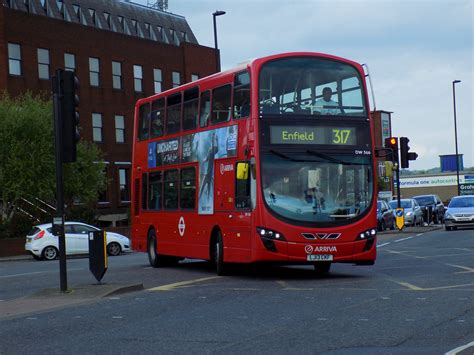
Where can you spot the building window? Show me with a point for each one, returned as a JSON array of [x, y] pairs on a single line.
[[148, 30], [119, 129], [157, 80], [14, 59], [138, 76], [174, 37], [122, 23], [103, 194], [43, 63], [94, 18], [117, 75], [124, 188], [176, 79], [97, 127], [69, 61], [94, 71], [194, 77], [60, 5], [107, 19], [185, 36]]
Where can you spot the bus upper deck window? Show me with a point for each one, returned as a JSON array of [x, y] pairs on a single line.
[[157, 116], [144, 121], [205, 109], [173, 117], [190, 108], [221, 104], [241, 107]]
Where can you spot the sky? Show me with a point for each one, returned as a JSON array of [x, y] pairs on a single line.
[[414, 50]]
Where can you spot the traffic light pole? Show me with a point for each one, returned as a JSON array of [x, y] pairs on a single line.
[[397, 176], [58, 221]]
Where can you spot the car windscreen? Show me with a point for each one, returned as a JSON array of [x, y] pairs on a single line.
[[464, 202], [425, 200], [403, 204]]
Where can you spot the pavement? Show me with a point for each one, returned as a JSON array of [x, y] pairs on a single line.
[[52, 298]]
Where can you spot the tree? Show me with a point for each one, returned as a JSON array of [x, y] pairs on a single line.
[[27, 165]]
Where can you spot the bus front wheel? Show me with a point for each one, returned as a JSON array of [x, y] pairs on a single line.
[[218, 255]]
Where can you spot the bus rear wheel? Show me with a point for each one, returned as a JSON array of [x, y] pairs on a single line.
[[322, 267], [154, 258]]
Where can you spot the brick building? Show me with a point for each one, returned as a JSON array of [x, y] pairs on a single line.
[[120, 51]]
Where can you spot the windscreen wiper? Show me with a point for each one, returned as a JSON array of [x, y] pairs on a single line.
[[284, 156], [332, 159]]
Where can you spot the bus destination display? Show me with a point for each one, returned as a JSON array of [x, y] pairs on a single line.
[[313, 135]]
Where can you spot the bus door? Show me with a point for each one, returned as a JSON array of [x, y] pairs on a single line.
[[232, 200]]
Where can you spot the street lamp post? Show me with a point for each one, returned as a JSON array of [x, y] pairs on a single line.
[[218, 62], [456, 134]]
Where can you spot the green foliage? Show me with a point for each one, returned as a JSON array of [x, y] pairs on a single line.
[[27, 162], [17, 227]]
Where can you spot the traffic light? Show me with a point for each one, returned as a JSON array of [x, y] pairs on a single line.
[[69, 116], [405, 154], [392, 143]]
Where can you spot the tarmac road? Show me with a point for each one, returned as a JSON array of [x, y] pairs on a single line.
[[417, 299]]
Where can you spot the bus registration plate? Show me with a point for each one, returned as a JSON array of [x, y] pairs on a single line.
[[319, 257]]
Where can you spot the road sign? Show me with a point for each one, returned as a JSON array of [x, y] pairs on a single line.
[[98, 254], [399, 218]]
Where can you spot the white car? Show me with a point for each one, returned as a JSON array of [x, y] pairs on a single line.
[[42, 244]]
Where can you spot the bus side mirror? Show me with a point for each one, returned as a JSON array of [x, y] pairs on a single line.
[[242, 171]]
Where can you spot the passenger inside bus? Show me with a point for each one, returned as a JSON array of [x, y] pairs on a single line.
[[326, 105]]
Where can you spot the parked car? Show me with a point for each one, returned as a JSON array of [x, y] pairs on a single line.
[[411, 210], [385, 216], [433, 203], [42, 244], [460, 212]]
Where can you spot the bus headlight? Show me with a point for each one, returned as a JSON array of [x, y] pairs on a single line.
[[370, 233], [269, 237], [269, 234]]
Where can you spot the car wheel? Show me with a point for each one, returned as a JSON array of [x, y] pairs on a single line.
[[114, 249], [447, 228], [383, 226], [392, 227], [322, 267], [436, 219], [218, 254], [49, 253]]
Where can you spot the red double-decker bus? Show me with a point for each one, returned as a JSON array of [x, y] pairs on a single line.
[[272, 161]]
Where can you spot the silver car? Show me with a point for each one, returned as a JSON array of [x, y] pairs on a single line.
[[460, 212], [411, 210]]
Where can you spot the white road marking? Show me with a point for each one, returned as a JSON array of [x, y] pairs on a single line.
[[419, 234], [460, 349], [114, 298], [421, 298], [36, 272], [381, 245], [117, 317], [363, 319], [32, 318], [400, 240], [385, 298]]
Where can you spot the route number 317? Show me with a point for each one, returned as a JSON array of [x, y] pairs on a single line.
[[340, 136]]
